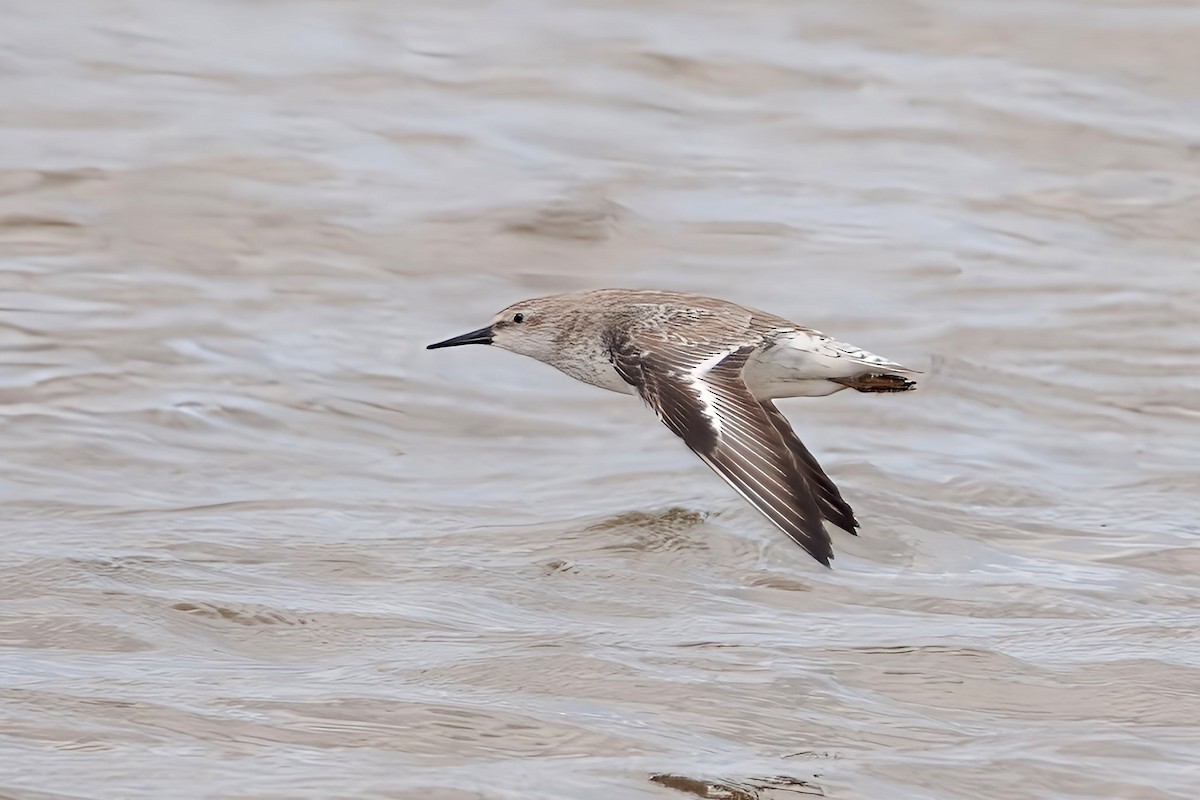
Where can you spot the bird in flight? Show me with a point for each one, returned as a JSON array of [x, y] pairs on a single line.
[[710, 370]]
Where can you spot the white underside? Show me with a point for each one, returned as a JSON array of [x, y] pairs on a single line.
[[766, 385], [800, 364]]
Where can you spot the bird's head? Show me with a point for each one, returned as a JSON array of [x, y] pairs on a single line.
[[530, 328]]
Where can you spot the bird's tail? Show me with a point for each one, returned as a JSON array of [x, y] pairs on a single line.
[[877, 382]]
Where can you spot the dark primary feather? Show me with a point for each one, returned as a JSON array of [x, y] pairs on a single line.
[[833, 507], [749, 451]]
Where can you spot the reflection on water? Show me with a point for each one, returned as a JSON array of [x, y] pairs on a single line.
[[259, 543], [761, 789]]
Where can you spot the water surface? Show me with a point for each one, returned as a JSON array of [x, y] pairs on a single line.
[[258, 543]]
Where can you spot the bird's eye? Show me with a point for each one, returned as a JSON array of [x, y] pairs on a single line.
[[518, 317]]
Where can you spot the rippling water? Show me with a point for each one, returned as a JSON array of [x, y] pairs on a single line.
[[259, 544]]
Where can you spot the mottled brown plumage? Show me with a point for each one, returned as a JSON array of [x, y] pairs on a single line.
[[709, 369]]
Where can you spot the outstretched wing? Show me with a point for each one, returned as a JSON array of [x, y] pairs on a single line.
[[833, 507], [698, 392]]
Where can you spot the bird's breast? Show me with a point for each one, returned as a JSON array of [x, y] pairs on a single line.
[[597, 372]]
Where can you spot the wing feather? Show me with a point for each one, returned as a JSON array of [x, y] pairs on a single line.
[[700, 395], [829, 498]]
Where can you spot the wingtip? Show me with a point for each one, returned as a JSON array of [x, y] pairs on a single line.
[[850, 526], [822, 555]]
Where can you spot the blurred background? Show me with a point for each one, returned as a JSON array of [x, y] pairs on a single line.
[[258, 543]]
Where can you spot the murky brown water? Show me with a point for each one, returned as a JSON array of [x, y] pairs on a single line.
[[257, 543]]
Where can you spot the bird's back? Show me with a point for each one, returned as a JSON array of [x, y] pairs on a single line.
[[682, 317]]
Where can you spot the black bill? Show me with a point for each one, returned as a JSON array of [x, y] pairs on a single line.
[[481, 336]]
